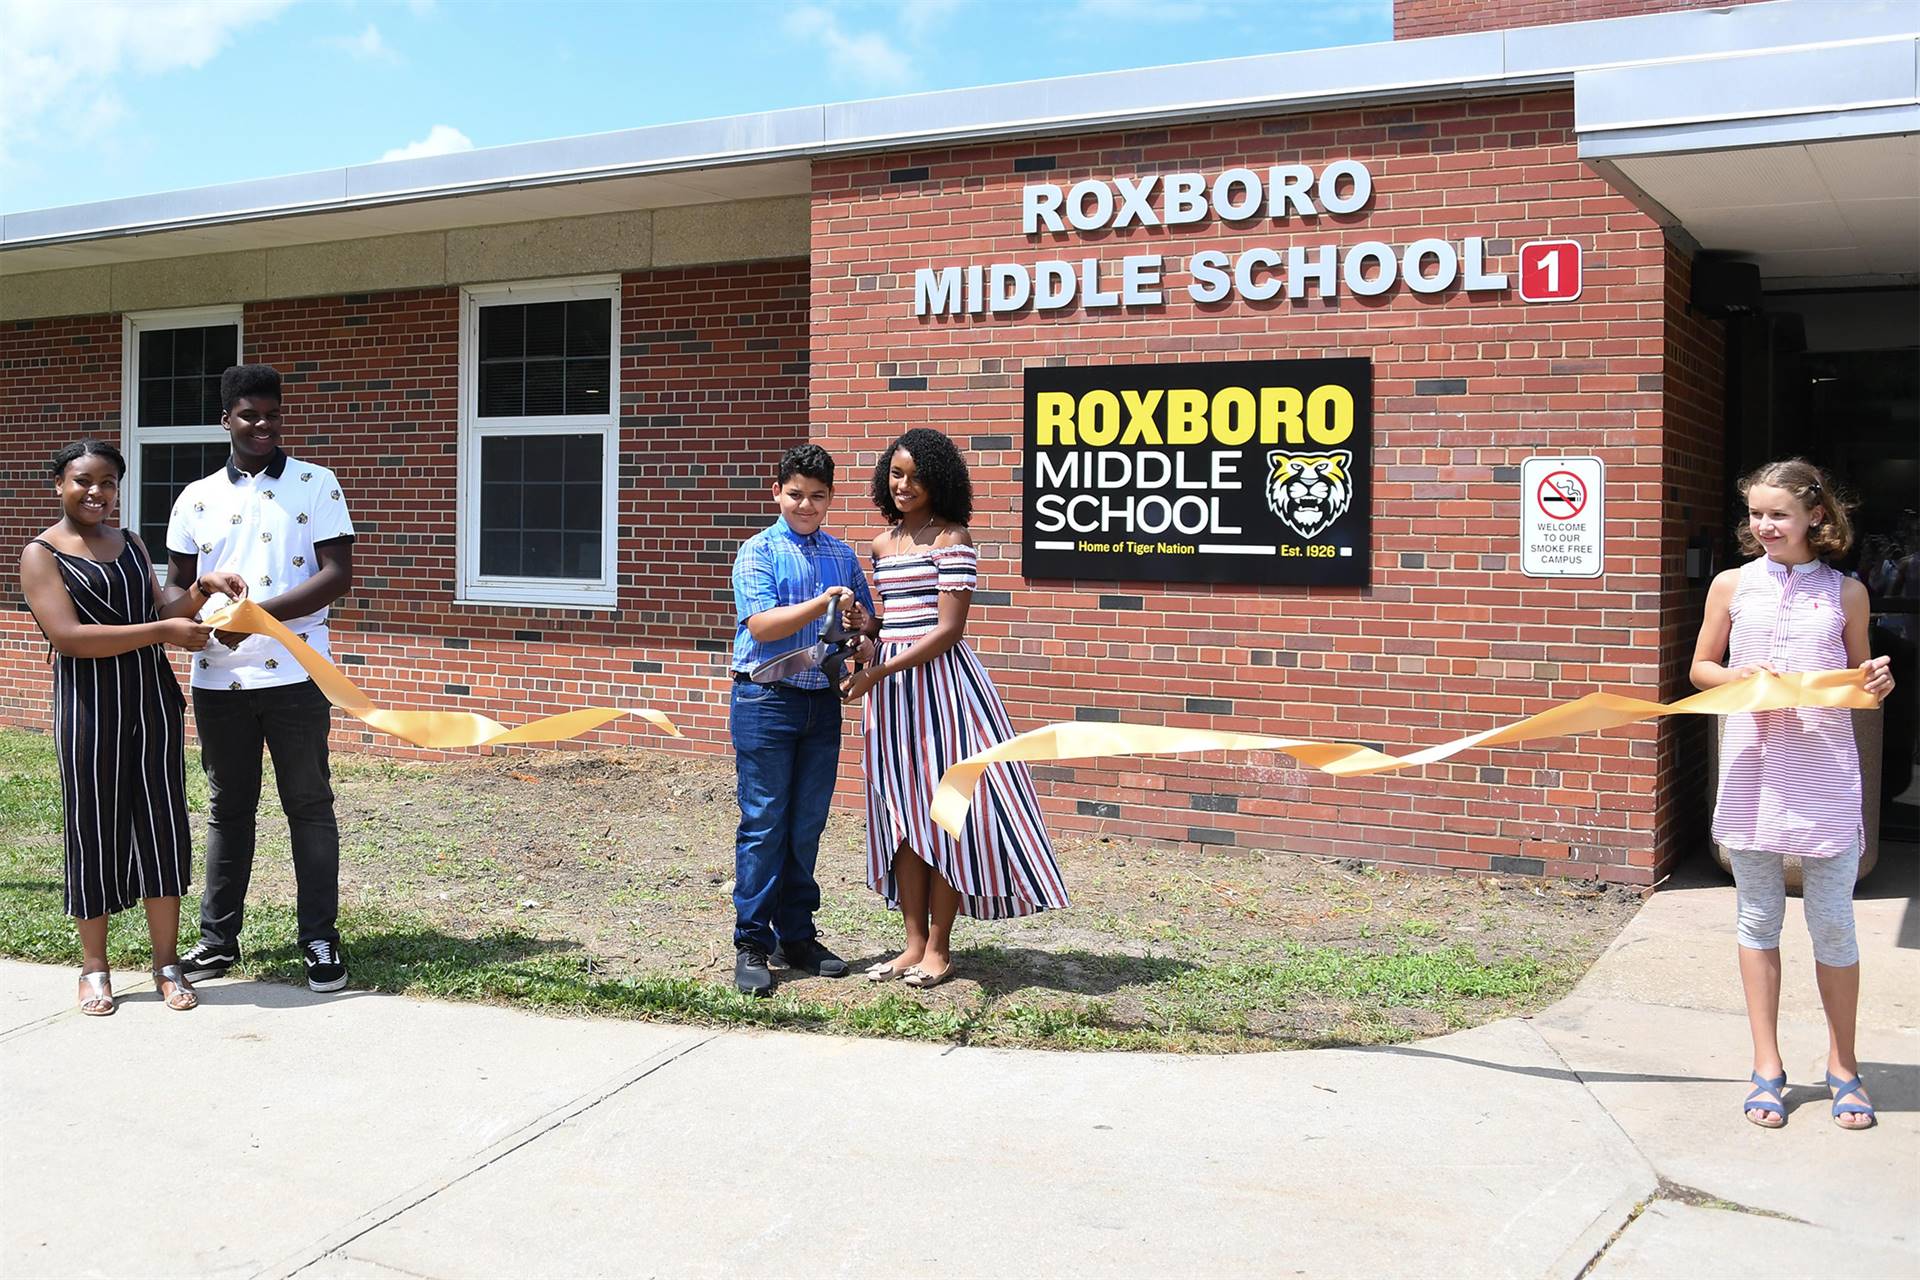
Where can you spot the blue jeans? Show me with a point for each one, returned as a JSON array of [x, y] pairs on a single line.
[[786, 745]]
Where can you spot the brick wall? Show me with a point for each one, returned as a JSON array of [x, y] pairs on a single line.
[[1693, 386], [59, 382], [1413, 19], [1450, 638], [713, 375]]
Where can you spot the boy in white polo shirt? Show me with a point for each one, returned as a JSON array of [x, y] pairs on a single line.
[[281, 524]]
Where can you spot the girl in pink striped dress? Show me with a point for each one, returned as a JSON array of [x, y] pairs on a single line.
[[1790, 779], [932, 704]]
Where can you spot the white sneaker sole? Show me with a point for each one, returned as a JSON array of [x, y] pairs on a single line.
[[324, 987], [208, 973]]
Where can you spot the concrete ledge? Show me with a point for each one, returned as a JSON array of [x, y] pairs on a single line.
[[747, 231], [562, 246], [357, 266], [81, 291], [184, 282]]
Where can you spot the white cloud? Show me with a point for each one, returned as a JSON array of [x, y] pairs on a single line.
[[368, 46], [865, 57], [918, 18], [441, 140], [96, 116], [60, 61]]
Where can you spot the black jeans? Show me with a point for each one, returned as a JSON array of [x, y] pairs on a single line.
[[291, 721]]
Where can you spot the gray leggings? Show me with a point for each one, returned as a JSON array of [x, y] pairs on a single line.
[[1826, 890]]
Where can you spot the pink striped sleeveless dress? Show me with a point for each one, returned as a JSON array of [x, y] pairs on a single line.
[[1789, 779], [928, 717]]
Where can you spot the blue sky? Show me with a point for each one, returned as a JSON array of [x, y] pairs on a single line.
[[113, 98]]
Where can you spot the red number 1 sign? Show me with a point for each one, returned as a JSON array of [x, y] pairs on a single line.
[[1550, 271]]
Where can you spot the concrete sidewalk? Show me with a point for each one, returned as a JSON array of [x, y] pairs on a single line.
[[375, 1136]]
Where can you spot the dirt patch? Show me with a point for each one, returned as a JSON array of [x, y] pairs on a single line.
[[628, 856]]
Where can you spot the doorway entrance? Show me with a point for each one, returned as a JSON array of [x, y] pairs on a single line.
[[1834, 377]]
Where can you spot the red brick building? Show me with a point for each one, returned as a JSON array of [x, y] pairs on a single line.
[[555, 377]]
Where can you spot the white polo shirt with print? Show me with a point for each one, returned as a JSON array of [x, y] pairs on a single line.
[[263, 527]]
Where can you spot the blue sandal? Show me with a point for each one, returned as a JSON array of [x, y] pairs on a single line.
[[1755, 1102], [1841, 1088]]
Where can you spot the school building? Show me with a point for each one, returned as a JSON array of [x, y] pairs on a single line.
[[1378, 393]]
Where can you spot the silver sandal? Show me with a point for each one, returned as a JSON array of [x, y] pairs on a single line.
[[98, 1002], [181, 987]]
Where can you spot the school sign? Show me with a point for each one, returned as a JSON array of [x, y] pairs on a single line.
[[1253, 471]]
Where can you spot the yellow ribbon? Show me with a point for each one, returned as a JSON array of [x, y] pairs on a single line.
[[1596, 711], [421, 728]]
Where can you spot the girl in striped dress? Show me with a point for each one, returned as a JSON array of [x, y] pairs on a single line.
[[117, 717], [1790, 779], [932, 704]]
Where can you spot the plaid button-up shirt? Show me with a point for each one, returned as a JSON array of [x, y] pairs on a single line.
[[778, 567]]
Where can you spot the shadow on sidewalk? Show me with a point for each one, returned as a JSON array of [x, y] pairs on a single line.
[[1893, 1086], [1550, 1073]]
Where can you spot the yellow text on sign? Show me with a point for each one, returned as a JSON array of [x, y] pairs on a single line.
[[1185, 415]]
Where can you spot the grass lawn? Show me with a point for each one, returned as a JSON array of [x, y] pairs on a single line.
[[596, 883]]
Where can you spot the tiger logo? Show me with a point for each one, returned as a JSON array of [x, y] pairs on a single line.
[[1309, 491]]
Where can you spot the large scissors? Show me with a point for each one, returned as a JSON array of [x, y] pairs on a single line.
[[829, 655]]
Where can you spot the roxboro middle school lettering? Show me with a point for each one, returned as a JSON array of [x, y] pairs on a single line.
[[1256, 274]]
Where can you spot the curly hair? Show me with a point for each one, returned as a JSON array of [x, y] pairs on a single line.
[[1811, 487], [940, 469], [245, 381], [86, 449], [808, 460]]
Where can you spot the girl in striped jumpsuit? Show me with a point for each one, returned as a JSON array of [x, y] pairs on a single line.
[[117, 717], [1790, 778]]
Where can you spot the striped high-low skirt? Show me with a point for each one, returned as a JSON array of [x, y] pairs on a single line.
[[916, 724]]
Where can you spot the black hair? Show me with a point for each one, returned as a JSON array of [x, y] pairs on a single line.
[[941, 470], [248, 380], [808, 460], [87, 449]]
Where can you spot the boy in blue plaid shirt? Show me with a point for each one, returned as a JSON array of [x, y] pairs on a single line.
[[786, 736]]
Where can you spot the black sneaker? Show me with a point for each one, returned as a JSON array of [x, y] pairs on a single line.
[[203, 960], [808, 957], [326, 965], [750, 973]]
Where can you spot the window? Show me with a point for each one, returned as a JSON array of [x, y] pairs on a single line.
[[171, 371], [538, 437]]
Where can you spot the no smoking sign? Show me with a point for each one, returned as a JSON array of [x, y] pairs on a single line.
[[1561, 521], [1561, 495]]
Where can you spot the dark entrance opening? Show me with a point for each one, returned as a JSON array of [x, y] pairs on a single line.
[[1834, 376]]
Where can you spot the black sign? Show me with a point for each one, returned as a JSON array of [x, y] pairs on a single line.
[[1257, 471]]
